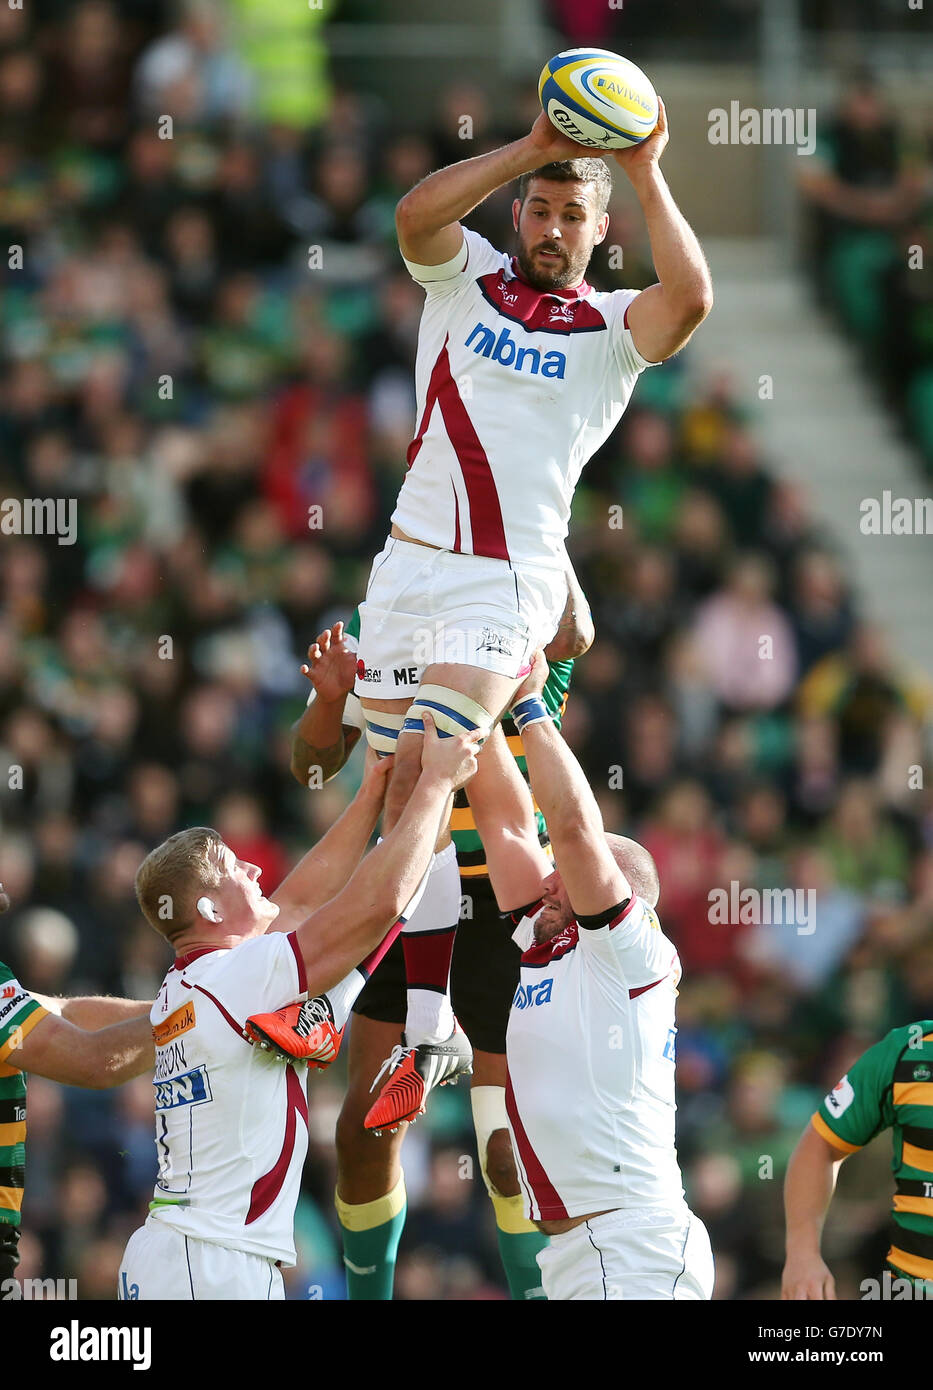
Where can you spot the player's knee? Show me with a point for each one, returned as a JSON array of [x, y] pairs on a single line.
[[500, 1164], [362, 1154]]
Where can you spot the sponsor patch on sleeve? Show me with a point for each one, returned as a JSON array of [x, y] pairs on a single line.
[[840, 1097]]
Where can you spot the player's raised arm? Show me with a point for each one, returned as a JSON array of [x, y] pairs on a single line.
[[339, 935], [320, 738], [321, 873], [593, 880], [664, 317], [808, 1190], [428, 218]]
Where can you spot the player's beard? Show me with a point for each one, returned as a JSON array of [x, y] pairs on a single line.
[[551, 921], [551, 277]]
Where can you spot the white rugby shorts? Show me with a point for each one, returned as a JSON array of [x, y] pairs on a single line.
[[426, 606], [162, 1262], [630, 1254]]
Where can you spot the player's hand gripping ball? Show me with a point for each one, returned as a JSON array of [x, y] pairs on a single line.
[[598, 99]]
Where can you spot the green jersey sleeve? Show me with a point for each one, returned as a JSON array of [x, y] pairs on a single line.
[[859, 1106], [19, 1012]]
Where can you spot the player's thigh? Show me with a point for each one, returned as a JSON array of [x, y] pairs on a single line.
[[162, 1263]]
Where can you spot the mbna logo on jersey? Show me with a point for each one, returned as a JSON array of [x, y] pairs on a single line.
[[922, 1072]]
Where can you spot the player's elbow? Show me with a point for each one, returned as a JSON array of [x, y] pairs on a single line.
[[406, 216], [695, 306], [571, 830], [573, 641]]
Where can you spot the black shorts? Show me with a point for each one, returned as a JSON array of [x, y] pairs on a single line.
[[483, 978]]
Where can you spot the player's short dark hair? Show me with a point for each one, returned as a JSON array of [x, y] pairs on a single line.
[[593, 171]]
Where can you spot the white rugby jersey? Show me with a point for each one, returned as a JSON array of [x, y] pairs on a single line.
[[516, 389], [231, 1122], [590, 1044]]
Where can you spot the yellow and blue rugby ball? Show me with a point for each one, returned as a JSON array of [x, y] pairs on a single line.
[[598, 98]]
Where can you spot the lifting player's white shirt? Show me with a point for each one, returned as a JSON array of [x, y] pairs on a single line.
[[231, 1130], [516, 389], [591, 1110]]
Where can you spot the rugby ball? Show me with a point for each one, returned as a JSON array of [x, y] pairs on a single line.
[[598, 98]]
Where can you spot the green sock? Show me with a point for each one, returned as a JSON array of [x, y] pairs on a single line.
[[519, 1243], [371, 1233], [521, 1267]]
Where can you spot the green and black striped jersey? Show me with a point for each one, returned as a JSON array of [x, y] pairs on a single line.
[[19, 1014], [891, 1087]]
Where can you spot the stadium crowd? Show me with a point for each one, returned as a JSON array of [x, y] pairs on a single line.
[[209, 345]]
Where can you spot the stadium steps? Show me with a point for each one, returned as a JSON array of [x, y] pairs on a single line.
[[826, 428]]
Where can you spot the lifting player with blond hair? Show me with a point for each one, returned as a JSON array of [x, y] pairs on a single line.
[[231, 1123]]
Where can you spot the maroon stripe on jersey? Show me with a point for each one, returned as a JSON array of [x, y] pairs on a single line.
[[622, 915], [456, 519], [430, 400], [485, 512], [625, 322], [267, 1188], [228, 1018], [538, 311], [292, 940], [550, 1205], [180, 962], [643, 989]]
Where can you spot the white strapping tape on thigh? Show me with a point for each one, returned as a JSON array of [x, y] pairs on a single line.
[[454, 712], [382, 730], [489, 1114]]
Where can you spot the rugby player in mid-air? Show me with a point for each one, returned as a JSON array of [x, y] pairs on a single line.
[[371, 1199], [590, 1050], [231, 1123], [523, 370], [94, 1042]]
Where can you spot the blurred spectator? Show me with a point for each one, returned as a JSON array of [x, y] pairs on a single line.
[[746, 642]]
